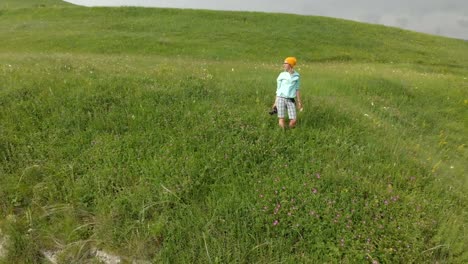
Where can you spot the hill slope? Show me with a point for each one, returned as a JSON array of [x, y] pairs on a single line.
[[219, 35], [144, 132]]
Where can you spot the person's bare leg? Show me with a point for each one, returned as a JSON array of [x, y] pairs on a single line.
[[281, 122], [292, 123]]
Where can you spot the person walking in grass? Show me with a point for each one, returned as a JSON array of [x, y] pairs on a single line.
[[287, 93]]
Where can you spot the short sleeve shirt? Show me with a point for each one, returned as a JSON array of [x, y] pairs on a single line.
[[287, 84]]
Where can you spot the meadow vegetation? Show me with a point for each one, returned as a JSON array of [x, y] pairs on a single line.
[[145, 132]]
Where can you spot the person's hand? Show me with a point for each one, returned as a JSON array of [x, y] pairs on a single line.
[[299, 105]]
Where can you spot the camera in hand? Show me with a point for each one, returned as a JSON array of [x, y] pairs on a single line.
[[273, 111]]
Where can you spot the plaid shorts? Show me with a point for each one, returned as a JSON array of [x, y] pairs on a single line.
[[286, 103]]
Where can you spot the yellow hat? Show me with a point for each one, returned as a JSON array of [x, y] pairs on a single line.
[[291, 61]]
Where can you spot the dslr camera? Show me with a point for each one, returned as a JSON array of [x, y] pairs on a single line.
[[273, 111]]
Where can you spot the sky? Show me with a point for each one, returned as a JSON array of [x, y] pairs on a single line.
[[438, 17]]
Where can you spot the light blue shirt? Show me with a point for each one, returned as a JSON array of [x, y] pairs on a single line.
[[288, 84]]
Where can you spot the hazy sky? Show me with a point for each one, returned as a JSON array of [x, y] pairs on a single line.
[[441, 17]]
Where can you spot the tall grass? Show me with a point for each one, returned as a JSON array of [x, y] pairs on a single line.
[[153, 156]]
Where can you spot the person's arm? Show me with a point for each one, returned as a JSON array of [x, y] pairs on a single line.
[[298, 94], [278, 84], [299, 101]]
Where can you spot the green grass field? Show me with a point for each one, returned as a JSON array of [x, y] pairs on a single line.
[[145, 133]]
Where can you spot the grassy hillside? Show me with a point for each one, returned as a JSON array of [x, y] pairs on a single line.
[[19, 4], [218, 35], [145, 133]]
